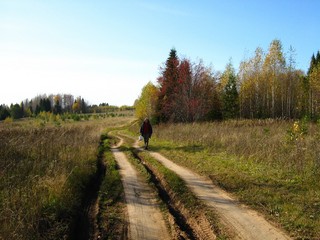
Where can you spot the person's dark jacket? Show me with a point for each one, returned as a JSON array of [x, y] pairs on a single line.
[[146, 129]]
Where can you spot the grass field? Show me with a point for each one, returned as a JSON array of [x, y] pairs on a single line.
[[44, 169], [45, 165], [274, 166]]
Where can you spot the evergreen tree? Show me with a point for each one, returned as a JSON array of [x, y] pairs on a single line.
[[83, 106], [38, 110], [168, 81], [30, 107], [312, 64], [4, 112], [57, 107], [22, 109], [318, 58], [47, 105], [314, 83], [230, 94], [16, 111]]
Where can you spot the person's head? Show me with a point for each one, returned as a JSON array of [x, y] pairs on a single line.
[[146, 120]]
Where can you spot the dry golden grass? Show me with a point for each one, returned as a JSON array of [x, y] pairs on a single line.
[[272, 165], [267, 141], [43, 171]]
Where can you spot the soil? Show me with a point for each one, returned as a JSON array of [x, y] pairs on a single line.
[[188, 223], [144, 215], [242, 222]]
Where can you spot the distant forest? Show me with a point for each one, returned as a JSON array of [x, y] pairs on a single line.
[[267, 85], [56, 104]]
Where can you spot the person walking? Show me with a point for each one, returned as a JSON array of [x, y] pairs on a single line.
[[146, 132]]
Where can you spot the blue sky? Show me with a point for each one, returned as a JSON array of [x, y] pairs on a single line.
[[106, 51]]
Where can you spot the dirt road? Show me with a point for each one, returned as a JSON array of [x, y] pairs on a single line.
[[243, 222], [144, 216]]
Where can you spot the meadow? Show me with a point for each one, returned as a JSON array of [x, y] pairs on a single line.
[[47, 163], [45, 166], [271, 165]]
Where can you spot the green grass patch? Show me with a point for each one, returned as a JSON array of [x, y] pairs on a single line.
[[183, 194], [177, 185], [281, 193]]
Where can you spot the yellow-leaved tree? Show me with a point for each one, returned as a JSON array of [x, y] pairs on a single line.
[[146, 104]]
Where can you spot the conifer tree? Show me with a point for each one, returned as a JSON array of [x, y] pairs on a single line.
[[314, 83], [318, 58], [168, 81], [4, 112], [230, 94], [312, 64], [16, 111]]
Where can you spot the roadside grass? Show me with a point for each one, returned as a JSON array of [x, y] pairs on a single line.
[[268, 165], [44, 171]]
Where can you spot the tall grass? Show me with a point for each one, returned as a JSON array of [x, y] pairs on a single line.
[[266, 141], [272, 165], [43, 172]]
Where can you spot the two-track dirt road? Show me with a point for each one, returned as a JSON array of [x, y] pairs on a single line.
[[146, 221], [144, 216], [243, 222]]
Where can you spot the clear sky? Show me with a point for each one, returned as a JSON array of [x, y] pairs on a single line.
[[106, 51]]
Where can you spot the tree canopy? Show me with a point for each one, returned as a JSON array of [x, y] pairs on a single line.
[[267, 85]]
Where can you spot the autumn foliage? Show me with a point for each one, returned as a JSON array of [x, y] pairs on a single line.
[[267, 85], [187, 92]]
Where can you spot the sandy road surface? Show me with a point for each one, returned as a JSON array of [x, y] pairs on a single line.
[[243, 222], [145, 219]]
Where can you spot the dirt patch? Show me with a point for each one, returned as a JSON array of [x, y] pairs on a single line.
[[191, 224], [144, 216]]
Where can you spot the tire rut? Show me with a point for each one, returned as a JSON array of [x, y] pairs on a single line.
[[185, 230], [191, 226], [86, 226], [144, 216], [243, 222]]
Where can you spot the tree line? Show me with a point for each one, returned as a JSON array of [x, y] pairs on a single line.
[[267, 85], [56, 104]]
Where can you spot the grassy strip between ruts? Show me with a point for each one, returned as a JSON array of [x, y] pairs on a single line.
[[190, 204], [127, 149], [112, 209], [185, 200], [284, 198]]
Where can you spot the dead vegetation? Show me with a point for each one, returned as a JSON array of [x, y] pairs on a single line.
[[44, 171]]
